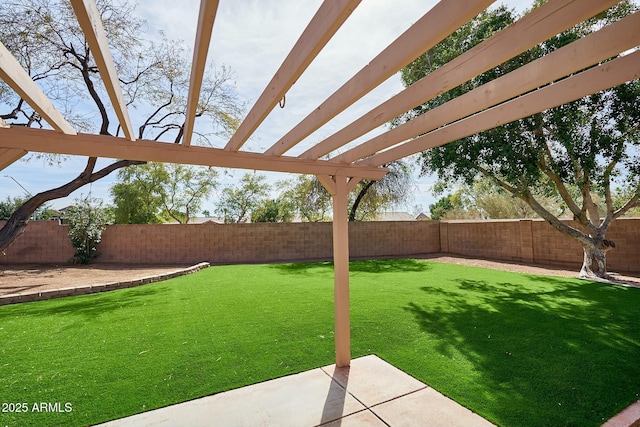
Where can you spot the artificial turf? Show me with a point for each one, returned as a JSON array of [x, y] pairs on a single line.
[[520, 350]]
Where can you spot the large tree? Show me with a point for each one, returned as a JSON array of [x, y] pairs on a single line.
[[313, 202], [372, 197], [46, 39], [309, 198], [155, 192], [238, 202], [573, 151]]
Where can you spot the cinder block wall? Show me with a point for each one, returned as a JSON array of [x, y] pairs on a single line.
[[513, 240], [41, 242], [537, 241], [47, 242]]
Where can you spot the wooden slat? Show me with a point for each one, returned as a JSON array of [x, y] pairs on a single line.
[[596, 79], [9, 156], [537, 26], [206, 18], [91, 23], [17, 78], [46, 141], [444, 18], [323, 25], [598, 46]]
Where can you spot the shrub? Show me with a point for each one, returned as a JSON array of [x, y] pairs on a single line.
[[87, 220]]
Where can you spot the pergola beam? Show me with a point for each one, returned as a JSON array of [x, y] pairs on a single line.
[[599, 46], [443, 19], [206, 18], [17, 78], [324, 24], [537, 26], [605, 76], [46, 141], [91, 23]]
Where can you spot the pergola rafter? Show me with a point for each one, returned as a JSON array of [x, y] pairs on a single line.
[[91, 23], [433, 27], [329, 18], [602, 77], [206, 18], [542, 23], [599, 46], [550, 81], [15, 76]]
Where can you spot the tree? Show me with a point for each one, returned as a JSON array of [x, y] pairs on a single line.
[[308, 197], [237, 203], [313, 202], [491, 201], [588, 145], [273, 210], [446, 204], [87, 220], [155, 191], [45, 38], [373, 197]]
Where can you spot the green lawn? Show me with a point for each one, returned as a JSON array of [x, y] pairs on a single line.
[[521, 350]]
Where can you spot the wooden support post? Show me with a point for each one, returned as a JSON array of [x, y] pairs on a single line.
[[338, 187], [341, 273]]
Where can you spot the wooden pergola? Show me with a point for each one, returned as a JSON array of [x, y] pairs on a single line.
[[573, 69]]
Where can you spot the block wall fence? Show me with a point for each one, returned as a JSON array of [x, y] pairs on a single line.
[[530, 241]]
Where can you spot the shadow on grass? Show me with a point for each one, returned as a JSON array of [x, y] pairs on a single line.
[[86, 306], [368, 266], [548, 351]]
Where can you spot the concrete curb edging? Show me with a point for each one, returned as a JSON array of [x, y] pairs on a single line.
[[628, 417], [99, 287]]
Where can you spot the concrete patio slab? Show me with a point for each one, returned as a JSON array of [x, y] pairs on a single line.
[[373, 381], [427, 407], [369, 393]]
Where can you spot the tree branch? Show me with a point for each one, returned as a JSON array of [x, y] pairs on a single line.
[[525, 194]]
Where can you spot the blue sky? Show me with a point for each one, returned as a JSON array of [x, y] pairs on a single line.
[[252, 37]]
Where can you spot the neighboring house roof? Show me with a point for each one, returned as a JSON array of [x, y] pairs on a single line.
[[394, 216], [201, 220], [423, 217]]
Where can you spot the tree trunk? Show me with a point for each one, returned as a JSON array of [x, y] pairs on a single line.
[[594, 265], [356, 203]]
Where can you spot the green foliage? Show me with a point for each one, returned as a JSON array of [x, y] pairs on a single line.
[[373, 197], [237, 203], [446, 204], [487, 200], [493, 341], [10, 205], [153, 192], [309, 198], [273, 210], [622, 195], [87, 219], [313, 202]]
